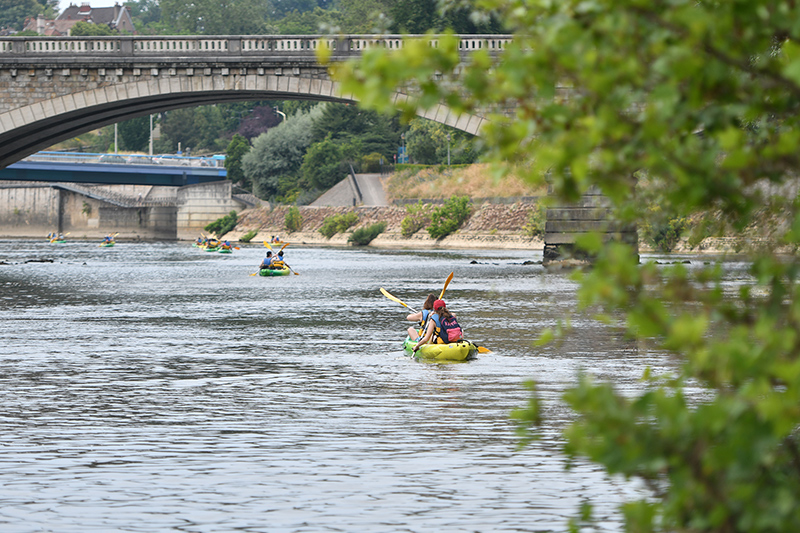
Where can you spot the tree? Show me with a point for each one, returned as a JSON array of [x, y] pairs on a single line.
[[135, 133], [308, 22], [90, 29], [214, 17], [697, 103], [363, 130], [322, 164], [237, 148], [273, 164], [14, 12]]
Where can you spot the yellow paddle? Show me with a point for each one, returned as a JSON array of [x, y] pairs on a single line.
[[446, 283], [396, 299]]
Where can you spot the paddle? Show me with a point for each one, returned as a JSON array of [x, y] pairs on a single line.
[[395, 299], [446, 283]]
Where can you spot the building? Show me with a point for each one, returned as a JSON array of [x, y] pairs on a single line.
[[116, 18]]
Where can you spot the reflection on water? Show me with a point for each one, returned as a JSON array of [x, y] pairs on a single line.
[[156, 387]]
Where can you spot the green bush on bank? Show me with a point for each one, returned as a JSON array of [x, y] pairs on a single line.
[[293, 220], [419, 216], [449, 217], [223, 225], [247, 237], [534, 225], [338, 224], [663, 232], [364, 236]]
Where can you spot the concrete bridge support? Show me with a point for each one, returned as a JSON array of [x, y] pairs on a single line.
[[566, 222]]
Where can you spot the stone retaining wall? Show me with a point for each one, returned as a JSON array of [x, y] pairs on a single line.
[[498, 225]]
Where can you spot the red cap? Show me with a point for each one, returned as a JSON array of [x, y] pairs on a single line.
[[438, 304]]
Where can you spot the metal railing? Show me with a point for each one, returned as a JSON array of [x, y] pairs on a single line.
[[127, 159]]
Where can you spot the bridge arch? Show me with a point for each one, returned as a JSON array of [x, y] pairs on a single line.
[[39, 125]]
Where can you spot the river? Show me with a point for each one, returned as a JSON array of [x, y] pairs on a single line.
[[158, 387]]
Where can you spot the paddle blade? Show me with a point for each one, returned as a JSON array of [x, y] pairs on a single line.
[[446, 283], [395, 299], [284, 246], [254, 273], [483, 349]]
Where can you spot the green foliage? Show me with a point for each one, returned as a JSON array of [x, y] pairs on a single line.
[[214, 17], [135, 133], [661, 231], [273, 164], [308, 22], [89, 29], [535, 223], [373, 163], [236, 150], [322, 164], [364, 236], [364, 132], [338, 224], [223, 225], [247, 237], [293, 220], [14, 12], [449, 217], [706, 102], [419, 216], [427, 144]]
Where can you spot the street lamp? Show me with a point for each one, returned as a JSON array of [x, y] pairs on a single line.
[[403, 154], [281, 113], [448, 149]]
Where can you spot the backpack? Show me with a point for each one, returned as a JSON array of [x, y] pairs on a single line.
[[450, 331]]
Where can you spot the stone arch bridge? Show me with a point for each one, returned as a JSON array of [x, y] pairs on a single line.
[[56, 88]]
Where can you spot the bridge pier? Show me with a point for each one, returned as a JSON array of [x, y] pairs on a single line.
[[566, 222]]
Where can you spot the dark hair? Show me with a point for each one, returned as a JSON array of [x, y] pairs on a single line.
[[429, 302], [269, 253]]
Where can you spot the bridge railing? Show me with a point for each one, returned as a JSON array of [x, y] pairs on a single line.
[[166, 45]]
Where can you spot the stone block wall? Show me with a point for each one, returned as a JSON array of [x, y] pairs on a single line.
[[567, 222], [28, 211], [201, 204]]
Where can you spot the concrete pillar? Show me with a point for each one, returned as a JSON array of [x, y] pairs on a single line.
[[566, 222]]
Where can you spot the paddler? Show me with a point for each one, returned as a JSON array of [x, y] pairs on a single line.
[[415, 333]]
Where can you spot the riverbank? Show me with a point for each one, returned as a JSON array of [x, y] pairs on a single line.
[[491, 225]]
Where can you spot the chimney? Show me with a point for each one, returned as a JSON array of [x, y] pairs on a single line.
[[40, 24]]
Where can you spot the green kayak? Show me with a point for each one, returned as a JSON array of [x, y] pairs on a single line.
[[283, 271], [455, 351]]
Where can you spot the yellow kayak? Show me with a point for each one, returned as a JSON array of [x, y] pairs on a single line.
[[454, 351]]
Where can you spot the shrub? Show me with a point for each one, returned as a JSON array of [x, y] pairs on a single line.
[[338, 224], [223, 225], [363, 236], [372, 162], [247, 237], [661, 231], [293, 220], [451, 216], [534, 226], [419, 216]]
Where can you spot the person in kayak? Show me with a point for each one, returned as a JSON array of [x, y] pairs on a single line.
[[433, 331], [266, 262], [415, 333]]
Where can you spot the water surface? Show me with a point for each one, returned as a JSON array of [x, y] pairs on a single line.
[[157, 387]]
